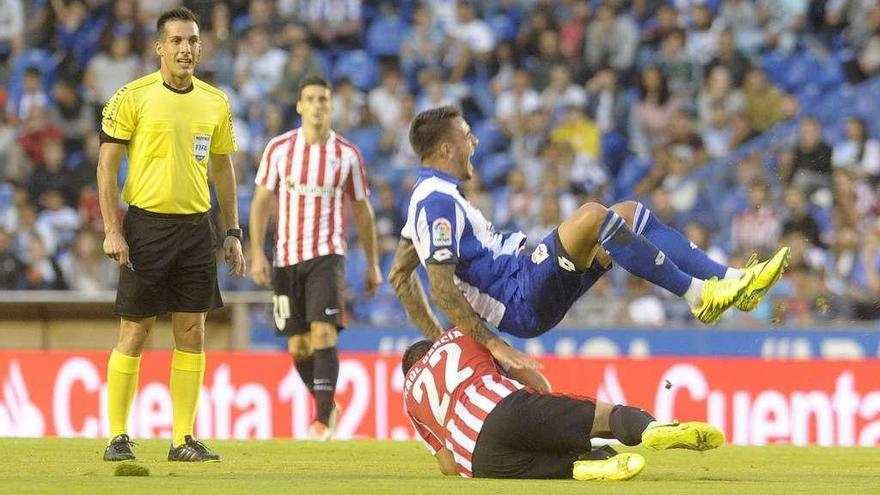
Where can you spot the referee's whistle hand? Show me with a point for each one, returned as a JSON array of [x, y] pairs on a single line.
[[234, 256], [116, 248]]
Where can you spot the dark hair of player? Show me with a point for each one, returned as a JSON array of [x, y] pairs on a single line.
[[430, 127], [414, 353], [313, 80], [176, 14]]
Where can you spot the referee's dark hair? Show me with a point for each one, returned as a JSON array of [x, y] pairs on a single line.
[[176, 14], [430, 127], [312, 80], [414, 353]]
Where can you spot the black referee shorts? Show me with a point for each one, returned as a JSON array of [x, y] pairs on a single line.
[[173, 265], [534, 435], [312, 290]]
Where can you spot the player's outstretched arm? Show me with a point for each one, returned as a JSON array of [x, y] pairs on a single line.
[[533, 379], [450, 299], [261, 208], [409, 289], [365, 222]]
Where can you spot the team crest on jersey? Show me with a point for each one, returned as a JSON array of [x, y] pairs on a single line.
[[441, 232], [540, 254], [201, 145]]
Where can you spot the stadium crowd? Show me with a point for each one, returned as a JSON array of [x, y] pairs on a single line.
[[572, 101]]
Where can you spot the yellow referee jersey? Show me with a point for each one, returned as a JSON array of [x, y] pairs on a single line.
[[170, 135]]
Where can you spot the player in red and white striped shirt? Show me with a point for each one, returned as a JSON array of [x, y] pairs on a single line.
[[311, 171], [480, 421]]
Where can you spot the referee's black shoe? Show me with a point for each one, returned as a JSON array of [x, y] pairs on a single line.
[[119, 449], [192, 450]]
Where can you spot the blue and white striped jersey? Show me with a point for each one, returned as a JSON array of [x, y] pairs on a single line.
[[445, 227]]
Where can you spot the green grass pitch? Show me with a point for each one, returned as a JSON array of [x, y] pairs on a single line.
[[43, 466]]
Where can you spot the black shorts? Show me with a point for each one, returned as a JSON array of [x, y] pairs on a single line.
[[173, 265], [534, 435], [309, 291]]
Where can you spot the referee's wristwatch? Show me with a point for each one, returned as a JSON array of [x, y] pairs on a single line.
[[234, 233]]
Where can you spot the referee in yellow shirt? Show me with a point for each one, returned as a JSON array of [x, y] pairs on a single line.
[[171, 124]]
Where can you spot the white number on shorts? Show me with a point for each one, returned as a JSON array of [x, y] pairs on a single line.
[[280, 310], [453, 377]]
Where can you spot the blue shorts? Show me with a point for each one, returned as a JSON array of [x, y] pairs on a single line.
[[549, 284]]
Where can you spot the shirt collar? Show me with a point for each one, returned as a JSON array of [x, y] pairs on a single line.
[[428, 172]]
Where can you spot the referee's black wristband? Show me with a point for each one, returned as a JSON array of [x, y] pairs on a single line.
[[234, 233]]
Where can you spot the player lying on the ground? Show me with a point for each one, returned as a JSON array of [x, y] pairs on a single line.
[[481, 422], [479, 274]]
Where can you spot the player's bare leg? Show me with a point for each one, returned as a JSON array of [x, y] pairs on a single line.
[[187, 375], [324, 337], [123, 369]]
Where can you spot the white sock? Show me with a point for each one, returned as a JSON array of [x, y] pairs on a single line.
[[693, 294], [733, 273]]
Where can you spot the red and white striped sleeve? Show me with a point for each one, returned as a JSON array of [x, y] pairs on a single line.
[[429, 439], [267, 173], [356, 186]]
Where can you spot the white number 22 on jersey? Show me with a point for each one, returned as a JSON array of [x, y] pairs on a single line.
[[453, 377]]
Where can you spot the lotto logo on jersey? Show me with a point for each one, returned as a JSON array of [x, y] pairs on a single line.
[[566, 264], [442, 255], [540, 254], [201, 146], [441, 232]]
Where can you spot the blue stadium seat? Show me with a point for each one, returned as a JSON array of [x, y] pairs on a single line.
[[367, 139], [362, 69], [490, 136], [494, 168], [775, 65], [502, 27], [801, 68], [384, 37]]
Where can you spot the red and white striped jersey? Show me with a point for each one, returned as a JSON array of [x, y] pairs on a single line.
[[311, 182], [449, 393]]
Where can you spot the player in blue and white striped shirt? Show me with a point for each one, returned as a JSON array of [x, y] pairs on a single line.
[[478, 275]]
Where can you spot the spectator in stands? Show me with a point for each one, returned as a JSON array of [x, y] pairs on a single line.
[[384, 100], [11, 28], [260, 14], [32, 96], [471, 43], [665, 20], [643, 307], [422, 45], [72, 115], [401, 150], [13, 164], [756, 228], [110, 70], [854, 202], [764, 103], [516, 103], [718, 132], [730, 57], [682, 73], [579, 132], [607, 103], [702, 40], [718, 92], [740, 20], [85, 268], [612, 40], [539, 20], [259, 66], [59, 218], [123, 21], [798, 218], [573, 31], [301, 63], [652, 112], [11, 267], [51, 173], [389, 220], [347, 104], [808, 165], [853, 271], [78, 33], [41, 271], [516, 203], [858, 153], [334, 22], [540, 65], [561, 92]]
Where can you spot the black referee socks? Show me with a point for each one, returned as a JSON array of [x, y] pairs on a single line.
[[326, 373], [627, 424]]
